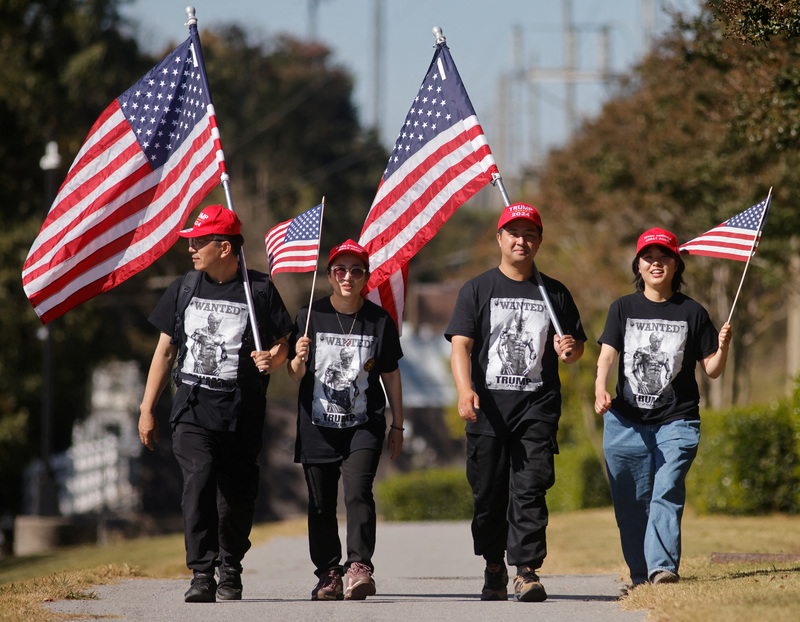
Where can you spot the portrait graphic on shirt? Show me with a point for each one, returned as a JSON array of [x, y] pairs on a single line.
[[653, 357], [518, 332], [214, 331], [340, 380]]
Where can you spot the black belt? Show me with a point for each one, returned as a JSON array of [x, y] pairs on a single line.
[[210, 382]]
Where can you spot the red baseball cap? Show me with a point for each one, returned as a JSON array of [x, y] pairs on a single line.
[[214, 220], [658, 236], [520, 210], [349, 247]]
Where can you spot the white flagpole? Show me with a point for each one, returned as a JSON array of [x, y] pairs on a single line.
[[225, 179], [752, 252], [314, 281]]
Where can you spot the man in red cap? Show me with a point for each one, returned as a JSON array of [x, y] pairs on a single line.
[[220, 400], [505, 354]]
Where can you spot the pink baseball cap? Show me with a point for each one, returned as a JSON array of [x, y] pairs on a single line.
[[520, 210], [349, 247], [214, 220], [658, 236]]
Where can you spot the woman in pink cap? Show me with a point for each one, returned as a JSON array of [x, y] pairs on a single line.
[[652, 427], [351, 346]]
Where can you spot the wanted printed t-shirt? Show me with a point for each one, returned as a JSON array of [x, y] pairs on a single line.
[[514, 364], [659, 344], [341, 402], [217, 379]]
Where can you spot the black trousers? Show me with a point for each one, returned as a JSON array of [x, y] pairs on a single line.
[[358, 474], [220, 484], [509, 478]]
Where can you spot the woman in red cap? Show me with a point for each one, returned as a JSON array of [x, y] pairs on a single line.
[[351, 346], [652, 427]]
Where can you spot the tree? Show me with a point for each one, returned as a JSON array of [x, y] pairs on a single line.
[[759, 20], [61, 63], [290, 134], [690, 140]]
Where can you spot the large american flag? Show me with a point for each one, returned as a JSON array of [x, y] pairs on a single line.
[[441, 158], [148, 161], [736, 238], [293, 246]]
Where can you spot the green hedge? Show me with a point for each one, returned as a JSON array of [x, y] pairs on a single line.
[[430, 494], [748, 461], [580, 480], [444, 494]]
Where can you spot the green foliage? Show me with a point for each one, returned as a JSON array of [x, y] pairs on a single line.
[[430, 494], [581, 481], [748, 461]]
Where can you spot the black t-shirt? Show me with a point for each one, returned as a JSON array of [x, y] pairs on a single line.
[[218, 384], [341, 401], [659, 344], [514, 364]]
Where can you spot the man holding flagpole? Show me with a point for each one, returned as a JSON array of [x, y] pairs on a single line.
[[505, 353], [220, 402]]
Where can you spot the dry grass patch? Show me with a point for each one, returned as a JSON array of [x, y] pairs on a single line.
[[19, 601], [723, 593]]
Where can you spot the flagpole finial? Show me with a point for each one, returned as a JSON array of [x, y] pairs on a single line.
[[192, 19], [437, 32]]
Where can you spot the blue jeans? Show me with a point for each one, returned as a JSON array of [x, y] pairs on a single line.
[[647, 468]]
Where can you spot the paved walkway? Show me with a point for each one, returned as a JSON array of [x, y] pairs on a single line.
[[424, 571]]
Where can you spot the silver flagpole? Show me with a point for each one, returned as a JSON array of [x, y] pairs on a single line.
[[752, 252], [225, 178]]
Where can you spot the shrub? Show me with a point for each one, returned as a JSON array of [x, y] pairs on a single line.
[[430, 494], [748, 461], [580, 480]]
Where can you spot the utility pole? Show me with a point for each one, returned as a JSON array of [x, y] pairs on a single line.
[[377, 66]]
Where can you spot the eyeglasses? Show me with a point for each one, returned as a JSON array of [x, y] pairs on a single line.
[[357, 273], [198, 243]]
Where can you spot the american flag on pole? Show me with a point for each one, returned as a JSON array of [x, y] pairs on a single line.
[[736, 238], [148, 161], [293, 246], [441, 158]]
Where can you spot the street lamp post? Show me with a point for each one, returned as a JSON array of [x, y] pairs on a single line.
[[47, 503]]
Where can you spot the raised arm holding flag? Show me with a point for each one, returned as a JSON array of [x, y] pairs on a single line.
[[736, 238]]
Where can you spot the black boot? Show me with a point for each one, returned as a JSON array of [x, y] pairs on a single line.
[[230, 583], [202, 589]]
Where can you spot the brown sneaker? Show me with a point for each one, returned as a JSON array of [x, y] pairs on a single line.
[[495, 582], [329, 586], [359, 582], [527, 588], [664, 576]]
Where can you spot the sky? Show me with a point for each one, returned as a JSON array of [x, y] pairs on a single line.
[[520, 126]]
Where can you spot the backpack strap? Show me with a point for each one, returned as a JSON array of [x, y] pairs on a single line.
[[188, 285]]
